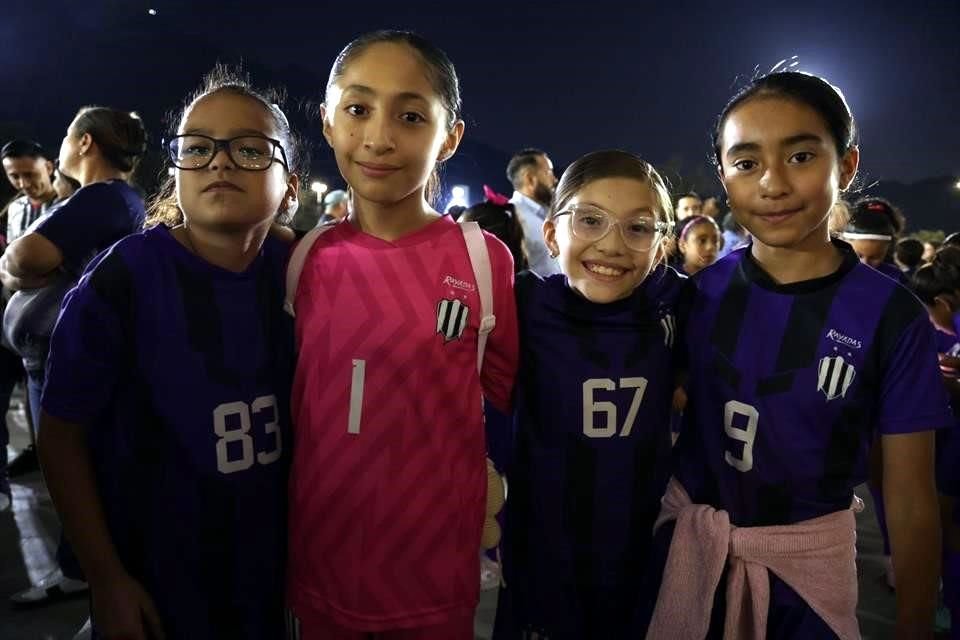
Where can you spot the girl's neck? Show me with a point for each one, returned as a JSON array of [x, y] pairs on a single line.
[[814, 257], [96, 172], [230, 250], [691, 269], [394, 220]]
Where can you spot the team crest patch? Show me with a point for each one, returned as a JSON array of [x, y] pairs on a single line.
[[452, 317], [835, 377]]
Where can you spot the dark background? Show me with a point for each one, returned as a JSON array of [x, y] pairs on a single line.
[[565, 77]]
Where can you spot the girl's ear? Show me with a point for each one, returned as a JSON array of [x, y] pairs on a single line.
[[83, 146], [451, 142], [848, 167], [291, 198], [327, 125], [550, 237]]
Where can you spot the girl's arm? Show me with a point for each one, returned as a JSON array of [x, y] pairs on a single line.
[[121, 607], [913, 520], [15, 283], [31, 255]]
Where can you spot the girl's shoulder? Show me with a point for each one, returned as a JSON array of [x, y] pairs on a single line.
[[129, 260], [666, 286], [528, 285]]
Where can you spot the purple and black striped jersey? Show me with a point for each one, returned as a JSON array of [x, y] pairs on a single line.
[[592, 416], [788, 386], [180, 373]]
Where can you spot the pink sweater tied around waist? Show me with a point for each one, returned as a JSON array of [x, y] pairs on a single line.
[[816, 557]]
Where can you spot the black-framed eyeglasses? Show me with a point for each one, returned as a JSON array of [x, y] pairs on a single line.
[[592, 224], [251, 152]]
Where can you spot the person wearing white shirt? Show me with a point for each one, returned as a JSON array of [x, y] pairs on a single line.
[[530, 171]]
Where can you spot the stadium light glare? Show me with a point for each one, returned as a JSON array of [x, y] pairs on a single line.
[[459, 196]]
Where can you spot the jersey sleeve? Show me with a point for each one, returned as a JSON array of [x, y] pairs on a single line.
[[912, 395], [86, 222], [500, 359], [89, 342]]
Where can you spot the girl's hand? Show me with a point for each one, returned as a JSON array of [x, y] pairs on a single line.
[[122, 610]]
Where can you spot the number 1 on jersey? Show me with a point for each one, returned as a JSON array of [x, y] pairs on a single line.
[[356, 396]]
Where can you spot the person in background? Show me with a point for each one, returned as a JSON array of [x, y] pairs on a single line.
[[952, 240], [699, 242], [497, 215], [909, 256], [334, 206], [734, 236], [711, 208], [872, 229], [929, 250], [30, 172], [101, 149], [28, 168], [687, 205], [530, 171]]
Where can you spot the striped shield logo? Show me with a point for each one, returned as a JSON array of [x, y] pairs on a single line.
[[835, 377], [451, 319]]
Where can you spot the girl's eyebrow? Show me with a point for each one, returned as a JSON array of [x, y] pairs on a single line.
[[233, 132], [632, 211], [799, 138], [403, 95]]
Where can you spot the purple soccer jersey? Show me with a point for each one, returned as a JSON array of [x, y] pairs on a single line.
[[592, 455], [892, 271], [180, 374], [788, 386]]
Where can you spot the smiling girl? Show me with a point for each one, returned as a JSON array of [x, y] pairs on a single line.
[[593, 404], [798, 356], [389, 476]]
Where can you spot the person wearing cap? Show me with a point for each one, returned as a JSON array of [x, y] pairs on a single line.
[[30, 171], [872, 230], [334, 206]]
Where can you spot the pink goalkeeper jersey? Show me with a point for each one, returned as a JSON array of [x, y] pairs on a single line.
[[388, 486]]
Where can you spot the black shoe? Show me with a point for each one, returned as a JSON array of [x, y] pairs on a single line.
[[24, 463]]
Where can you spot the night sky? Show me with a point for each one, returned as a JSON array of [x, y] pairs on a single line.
[[569, 78]]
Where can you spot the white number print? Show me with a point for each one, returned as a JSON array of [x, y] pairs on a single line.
[[591, 407], [746, 435], [242, 434], [356, 396]]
